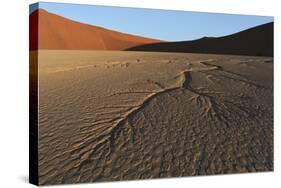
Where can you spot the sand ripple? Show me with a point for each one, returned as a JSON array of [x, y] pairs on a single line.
[[164, 115]]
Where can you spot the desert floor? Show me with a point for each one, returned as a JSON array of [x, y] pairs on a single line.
[[108, 115]]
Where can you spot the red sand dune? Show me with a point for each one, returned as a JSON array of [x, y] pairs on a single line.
[[56, 32]]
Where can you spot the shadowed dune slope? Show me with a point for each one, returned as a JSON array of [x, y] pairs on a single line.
[[56, 32], [256, 41]]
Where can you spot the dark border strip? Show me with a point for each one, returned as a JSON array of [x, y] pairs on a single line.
[[33, 102]]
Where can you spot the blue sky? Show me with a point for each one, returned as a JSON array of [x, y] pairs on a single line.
[[161, 24]]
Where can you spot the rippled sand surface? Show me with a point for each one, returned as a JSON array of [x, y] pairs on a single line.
[[106, 116]]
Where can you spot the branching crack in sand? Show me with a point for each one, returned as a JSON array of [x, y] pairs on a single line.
[[185, 79], [168, 115], [184, 83], [202, 117]]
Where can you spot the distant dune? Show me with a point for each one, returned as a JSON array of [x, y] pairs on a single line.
[[257, 41], [56, 32]]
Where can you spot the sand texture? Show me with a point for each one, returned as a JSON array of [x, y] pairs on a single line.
[[109, 115]]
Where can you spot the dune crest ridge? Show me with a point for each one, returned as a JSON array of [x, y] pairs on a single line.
[[57, 32], [256, 41]]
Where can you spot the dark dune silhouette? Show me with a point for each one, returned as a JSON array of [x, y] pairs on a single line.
[[256, 41], [56, 32]]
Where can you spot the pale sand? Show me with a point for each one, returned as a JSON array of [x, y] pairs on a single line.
[[136, 115]]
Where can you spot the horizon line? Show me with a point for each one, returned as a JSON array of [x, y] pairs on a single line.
[[148, 37]]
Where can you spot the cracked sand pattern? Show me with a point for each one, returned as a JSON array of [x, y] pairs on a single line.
[[107, 116]]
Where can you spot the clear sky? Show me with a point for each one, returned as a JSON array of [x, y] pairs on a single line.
[[161, 24]]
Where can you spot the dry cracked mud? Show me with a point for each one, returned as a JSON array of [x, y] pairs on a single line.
[[106, 116]]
